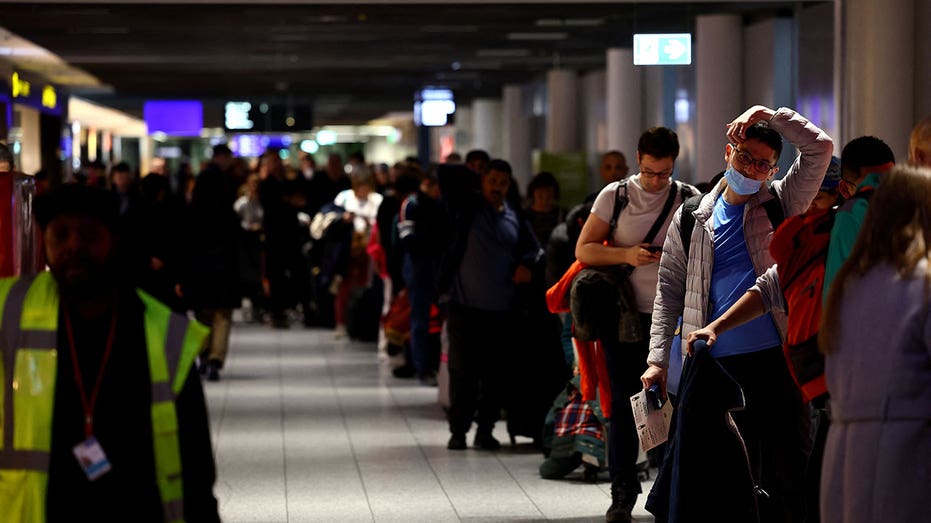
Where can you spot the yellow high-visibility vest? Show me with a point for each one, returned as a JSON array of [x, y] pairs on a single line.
[[28, 338]]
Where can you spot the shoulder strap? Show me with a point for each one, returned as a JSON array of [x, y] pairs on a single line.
[[661, 219], [687, 222], [774, 210], [619, 203]]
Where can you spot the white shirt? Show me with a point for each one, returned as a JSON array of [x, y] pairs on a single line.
[[633, 224], [365, 210]]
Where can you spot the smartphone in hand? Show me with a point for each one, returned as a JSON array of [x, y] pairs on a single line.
[[654, 248]]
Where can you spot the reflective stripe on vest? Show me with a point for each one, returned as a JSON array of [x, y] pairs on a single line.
[[28, 366], [178, 341]]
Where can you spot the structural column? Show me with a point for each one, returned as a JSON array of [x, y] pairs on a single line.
[[594, 133], [31, 143], [562, 116], [875, 82], [719, 88], [922, 61], [486, 126], [463, 128], [516, 134], [625, 103]]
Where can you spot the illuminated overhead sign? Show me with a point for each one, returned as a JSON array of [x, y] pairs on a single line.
[[27, 92], [49, 97], [663, 49], [21, 88], [174, 117], [237, 116], [267, 117], [432, 106]]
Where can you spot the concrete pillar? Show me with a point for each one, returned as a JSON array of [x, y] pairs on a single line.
[[625, 103], [594, 132], [758, 71], [516, 134], [463, 128], [653, 98], [770, 71], [30, 156], [719, 88], [562, 115], [815, 85], [875, 82], [486, 126], [922, 61]]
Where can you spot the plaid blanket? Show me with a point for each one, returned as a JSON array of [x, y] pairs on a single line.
[[577, 426]]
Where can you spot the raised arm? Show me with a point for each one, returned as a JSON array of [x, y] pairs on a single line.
[[799, 186]]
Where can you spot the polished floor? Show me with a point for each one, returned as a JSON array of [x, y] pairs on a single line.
[[308, 428]]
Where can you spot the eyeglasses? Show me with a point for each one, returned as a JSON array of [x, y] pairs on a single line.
[[651, 174], [760, 166], [848, 183]]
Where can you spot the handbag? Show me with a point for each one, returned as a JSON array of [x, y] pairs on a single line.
[[558, 295]]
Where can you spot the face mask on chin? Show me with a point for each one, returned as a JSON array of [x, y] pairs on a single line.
[[740, 184]]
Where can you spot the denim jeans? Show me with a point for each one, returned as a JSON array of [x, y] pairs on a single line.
[[421, 292]]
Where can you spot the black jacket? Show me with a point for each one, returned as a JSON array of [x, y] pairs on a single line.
[[706, 474], [461, 200]]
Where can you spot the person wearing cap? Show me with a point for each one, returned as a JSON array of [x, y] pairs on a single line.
[[828, 195], [103, 418]]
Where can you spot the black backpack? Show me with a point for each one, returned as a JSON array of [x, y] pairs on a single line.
[[773, 210]]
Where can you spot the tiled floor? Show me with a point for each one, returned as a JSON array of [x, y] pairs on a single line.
[[306, 428]]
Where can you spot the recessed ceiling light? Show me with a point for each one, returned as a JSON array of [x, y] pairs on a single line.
[[449, 29], [503, 53], [537, 36], [584, 22]]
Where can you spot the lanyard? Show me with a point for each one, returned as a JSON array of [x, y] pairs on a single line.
[[88, 405]]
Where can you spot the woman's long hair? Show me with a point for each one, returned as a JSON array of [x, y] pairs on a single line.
[[896, 231]]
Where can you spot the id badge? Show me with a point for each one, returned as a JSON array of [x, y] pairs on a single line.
[[92, 459]]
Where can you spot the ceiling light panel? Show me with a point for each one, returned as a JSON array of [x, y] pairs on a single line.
[[538, 37]]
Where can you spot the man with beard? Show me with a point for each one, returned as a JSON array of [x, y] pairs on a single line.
[[103, 419]]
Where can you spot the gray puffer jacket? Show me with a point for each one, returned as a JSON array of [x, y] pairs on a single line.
[[684, 285]]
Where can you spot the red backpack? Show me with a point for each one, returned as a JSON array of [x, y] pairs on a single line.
[[800, 248]]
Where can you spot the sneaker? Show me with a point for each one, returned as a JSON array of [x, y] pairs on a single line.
[[456, 442], [485, 441], [428, 379]]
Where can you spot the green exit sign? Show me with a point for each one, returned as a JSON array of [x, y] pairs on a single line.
[[663, 49]]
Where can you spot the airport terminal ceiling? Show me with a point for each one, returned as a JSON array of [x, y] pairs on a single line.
[[352, 62]]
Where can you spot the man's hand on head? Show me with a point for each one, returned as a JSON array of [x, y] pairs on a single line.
[[737, 129]]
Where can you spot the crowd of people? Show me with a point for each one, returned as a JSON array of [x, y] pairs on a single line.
[[553, 316]]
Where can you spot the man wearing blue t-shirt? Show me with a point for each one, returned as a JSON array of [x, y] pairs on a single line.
[[728, 250]]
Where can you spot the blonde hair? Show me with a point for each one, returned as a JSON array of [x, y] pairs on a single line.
[[896, 231]]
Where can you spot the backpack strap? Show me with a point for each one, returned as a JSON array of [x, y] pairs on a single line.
[[661, 219], [687, 222], [619, 203], [774, 210]]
